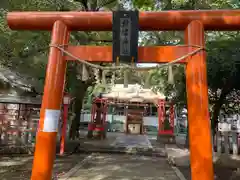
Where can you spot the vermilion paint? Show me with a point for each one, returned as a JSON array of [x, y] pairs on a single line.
[[192, 22]]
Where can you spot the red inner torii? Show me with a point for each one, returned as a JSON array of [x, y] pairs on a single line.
[[194, 23], [99, 113], [98, 118], [161, 118]]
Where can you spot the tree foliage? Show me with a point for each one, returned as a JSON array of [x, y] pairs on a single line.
[[222, 60], [26, 51]]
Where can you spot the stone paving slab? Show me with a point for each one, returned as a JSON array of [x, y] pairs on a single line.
[[177, 156], [122, 167], [132, 141], [181, 157], [122, 144]]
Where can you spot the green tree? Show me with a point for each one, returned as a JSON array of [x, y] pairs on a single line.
[[20, 52], [223, 72], [76, 85], [222, 66]]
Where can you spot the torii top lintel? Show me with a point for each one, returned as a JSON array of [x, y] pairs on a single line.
[[217, 20]]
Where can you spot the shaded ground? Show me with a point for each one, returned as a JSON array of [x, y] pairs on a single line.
[[130, 141], [221, 172], [124, 167], [19, 168], [14, 167], [226, 167]]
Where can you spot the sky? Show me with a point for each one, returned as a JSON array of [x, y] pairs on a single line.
[[146, 64]]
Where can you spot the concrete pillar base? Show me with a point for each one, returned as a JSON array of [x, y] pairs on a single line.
[[96, 134], [166, 139], [90, 134]]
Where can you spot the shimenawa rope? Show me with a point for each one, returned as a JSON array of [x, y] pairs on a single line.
[[95, 66]]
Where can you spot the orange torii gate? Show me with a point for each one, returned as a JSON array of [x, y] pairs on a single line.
[[194, 23]]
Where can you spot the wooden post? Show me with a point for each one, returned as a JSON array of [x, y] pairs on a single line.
[[171, 116], [198, 114], [64, 128], [18, 124], [226, 142], [219, 142], [126, 120], [161, 116], [199, 124], [45, 149], [26, 117], [235, 142]]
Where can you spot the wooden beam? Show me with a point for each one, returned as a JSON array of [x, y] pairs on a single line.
[[151, 54], [217, 20]]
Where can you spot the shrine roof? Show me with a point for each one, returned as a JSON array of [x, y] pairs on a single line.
[[11, 99], [133, 93], [17, 80]]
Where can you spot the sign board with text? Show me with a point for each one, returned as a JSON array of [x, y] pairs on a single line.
[[125, 30]]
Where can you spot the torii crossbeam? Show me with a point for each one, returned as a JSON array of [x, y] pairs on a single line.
[[194, 23]]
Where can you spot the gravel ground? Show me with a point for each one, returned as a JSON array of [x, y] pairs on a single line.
[[221, 173], [124, 167], [19, 167]]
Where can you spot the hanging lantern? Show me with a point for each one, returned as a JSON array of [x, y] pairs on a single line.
[[66, 99], [113, 76], [147, 80], [125, 79], [96, 75], [104, 82], [85, 74], [170, 75]]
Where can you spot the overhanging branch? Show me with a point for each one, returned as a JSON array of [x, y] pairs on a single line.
[[105, 4]]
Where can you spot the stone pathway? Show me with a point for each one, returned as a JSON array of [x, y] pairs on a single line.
[[122, 167], [132, 141]]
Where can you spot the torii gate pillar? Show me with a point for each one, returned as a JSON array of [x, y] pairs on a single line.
[[195, 21], [45, 148], [198, 114]]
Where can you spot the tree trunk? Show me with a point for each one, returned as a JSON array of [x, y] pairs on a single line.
[[79, 94], [217, 107]]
